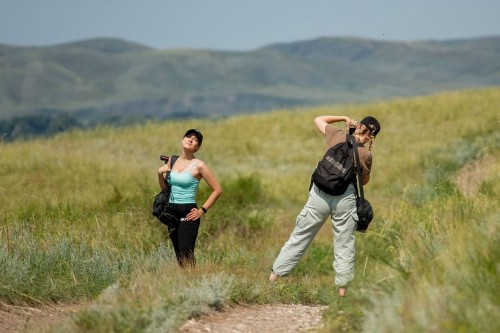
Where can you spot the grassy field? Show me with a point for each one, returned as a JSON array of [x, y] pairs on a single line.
[[76, 223]]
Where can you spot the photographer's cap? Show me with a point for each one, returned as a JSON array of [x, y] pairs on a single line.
[[196, 133], [372, 124]]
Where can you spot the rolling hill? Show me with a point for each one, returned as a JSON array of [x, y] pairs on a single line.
[[115, 81]]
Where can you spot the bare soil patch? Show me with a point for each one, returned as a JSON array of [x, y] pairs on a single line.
[[15, 319], [235, 319], [259, 318]]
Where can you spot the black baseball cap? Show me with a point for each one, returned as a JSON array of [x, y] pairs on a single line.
[[372, 124], [196, 133]]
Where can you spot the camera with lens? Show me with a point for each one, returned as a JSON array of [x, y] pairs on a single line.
[[164, 158]]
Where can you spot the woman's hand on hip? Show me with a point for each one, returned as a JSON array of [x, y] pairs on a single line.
[[194, 214]]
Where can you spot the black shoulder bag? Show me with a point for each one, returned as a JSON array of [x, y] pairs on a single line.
[[160, 203], [364, 208]]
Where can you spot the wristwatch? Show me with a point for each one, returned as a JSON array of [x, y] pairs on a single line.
[[204, 209]]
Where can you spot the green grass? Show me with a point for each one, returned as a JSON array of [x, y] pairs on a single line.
[[76, 223]]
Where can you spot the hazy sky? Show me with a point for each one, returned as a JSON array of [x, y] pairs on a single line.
[[242, 24]]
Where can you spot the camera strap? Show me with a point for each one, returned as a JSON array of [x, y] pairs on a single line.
[[358, 167]]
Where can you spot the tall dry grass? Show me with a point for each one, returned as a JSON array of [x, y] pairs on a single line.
[[75, 223]]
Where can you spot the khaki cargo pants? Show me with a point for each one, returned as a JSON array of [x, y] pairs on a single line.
[[319, 207]]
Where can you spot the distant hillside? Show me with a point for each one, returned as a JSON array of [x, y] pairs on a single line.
[[114, 81]]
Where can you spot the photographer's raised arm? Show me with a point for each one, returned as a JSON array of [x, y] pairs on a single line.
[[322, 121]]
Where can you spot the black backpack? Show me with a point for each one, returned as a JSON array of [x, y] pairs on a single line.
[[336, 170], [160, 203]]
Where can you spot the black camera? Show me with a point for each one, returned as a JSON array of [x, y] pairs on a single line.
[[164, 158]]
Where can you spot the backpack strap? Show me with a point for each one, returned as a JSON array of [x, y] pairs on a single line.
[[172, 162]]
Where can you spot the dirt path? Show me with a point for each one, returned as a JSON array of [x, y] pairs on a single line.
[[258, 318], [247, 319], [15, 319]]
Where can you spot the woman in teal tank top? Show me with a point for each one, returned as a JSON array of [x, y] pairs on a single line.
[[184, 178]]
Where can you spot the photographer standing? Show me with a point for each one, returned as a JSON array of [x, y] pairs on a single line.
[[341, 208], [184, 178]]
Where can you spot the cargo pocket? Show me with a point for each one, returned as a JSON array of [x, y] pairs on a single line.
[[301, 219]]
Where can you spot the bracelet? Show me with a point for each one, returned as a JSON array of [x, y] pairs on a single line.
[[204, 209]]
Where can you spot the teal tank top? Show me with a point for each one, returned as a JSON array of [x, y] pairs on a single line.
[[184, 186]]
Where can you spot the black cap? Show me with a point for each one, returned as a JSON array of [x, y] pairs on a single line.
[[372, 124], [196, 133]]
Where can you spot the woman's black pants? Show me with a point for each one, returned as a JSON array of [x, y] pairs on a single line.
[[183, 234]]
